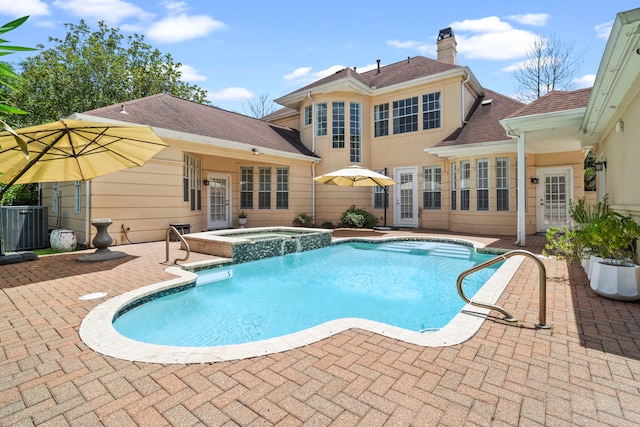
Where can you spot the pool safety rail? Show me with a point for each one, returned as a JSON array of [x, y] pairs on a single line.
[[184, 242], [542, 275]]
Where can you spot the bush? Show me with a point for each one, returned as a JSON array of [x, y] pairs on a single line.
[[328, 224], [358, 218], [21, 194], [302, 220]]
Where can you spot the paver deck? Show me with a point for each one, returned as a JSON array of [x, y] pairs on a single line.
[[583, 371]]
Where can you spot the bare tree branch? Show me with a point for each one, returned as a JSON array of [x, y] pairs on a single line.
[[549, 65], [260, 107]]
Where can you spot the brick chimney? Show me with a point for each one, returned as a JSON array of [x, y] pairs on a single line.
[[447, 47]]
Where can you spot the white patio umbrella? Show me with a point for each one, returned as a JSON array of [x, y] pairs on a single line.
[[358, 176]]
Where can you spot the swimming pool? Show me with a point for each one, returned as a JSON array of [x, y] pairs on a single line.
[[98, 332]]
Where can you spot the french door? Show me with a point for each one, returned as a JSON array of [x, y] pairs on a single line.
[[555, 190], [405, 211], [218, 206]]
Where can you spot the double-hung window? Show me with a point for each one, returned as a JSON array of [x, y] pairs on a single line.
[[405, 115], [282, 188], [264, 188], [380, 201], [465, 184], [431, 111], [482, 184], [246, 187], [321, 119], [355, 132], [192, 182], [453, 186], [502, 184], [308, 115], [381, 119], [432, 188], [337, 124]]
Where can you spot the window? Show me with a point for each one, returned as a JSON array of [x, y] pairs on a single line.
[[282, 188], [246, 187], [465, 178], [379, 199], [77, 197], [431, 111], [482, 184], [381, 119], [264, 188], [355, 132], [431, 188], [502, 183], [321, 119], [405, 115], [337, 124], [308, 115], [54, 195], [453, 186], [192, 181]]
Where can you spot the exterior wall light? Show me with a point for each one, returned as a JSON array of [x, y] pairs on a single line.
[[600, 166], [535, 180]]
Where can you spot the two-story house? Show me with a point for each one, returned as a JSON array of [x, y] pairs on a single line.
[[465, 158]]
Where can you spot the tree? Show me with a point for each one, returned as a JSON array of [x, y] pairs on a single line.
[[549, 65], [259, 108], [88, 70]]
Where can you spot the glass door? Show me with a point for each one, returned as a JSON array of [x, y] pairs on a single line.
[[555, 190], [406, 204], [218, 206]]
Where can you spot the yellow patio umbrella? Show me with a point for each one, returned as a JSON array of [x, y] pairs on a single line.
[[73, 150], [358, 176]]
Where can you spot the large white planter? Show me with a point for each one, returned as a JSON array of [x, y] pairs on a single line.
[[619, 282], [63, 240], [593, 260]]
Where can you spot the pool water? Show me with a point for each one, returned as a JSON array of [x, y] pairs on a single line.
[[409, 284]]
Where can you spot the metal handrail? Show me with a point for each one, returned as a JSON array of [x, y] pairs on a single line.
[[542, 275], [184, 242]]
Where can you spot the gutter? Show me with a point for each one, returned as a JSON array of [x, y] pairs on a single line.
[[87, 220], [521, 201]]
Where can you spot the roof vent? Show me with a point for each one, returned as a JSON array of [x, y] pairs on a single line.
[[487, 101]]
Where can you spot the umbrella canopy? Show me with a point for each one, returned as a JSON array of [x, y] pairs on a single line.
[[355, 176], [75, 150]]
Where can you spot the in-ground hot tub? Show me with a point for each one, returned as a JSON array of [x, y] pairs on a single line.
[[250, 244]]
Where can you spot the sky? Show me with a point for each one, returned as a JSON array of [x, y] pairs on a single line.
[[240, 50]]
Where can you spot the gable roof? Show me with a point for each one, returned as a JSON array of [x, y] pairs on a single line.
[[482, 123], [410, 69], [164, 111], [554, 101]]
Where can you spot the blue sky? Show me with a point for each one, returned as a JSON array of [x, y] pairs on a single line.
[[239, 50]]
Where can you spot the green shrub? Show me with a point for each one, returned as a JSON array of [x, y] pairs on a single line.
[[21, 194], [328, 224], [358, 218], [302, 220]]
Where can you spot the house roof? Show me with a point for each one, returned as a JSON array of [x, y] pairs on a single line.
[[482, 122], [400, 72], [554, 101], [170, 112]]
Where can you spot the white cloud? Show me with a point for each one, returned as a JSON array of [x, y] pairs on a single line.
[[178, 28], [585, 81], [231, 94], [603, 30], [190, 74], [175, 7], [410, 44], [535, 19], [110, 11], [303, 75], [491, 38], [19, 8]]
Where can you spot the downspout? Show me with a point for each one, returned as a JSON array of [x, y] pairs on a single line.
[[522, 200], [313, 149], [462, 99], [87, 219]]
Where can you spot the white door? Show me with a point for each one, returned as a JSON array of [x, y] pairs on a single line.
[[405, 213], [219, 215], [555, 190]]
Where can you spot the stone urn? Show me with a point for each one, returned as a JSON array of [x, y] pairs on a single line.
[[63, 240]]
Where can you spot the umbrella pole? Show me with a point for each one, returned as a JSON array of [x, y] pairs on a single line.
[[386, 201]]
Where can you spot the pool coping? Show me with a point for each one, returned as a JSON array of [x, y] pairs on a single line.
[[98, 333]]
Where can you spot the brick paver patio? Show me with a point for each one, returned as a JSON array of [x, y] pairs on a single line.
[[583, 371]]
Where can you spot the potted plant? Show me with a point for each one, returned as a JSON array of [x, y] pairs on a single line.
[[242, 219], [610, 239]]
